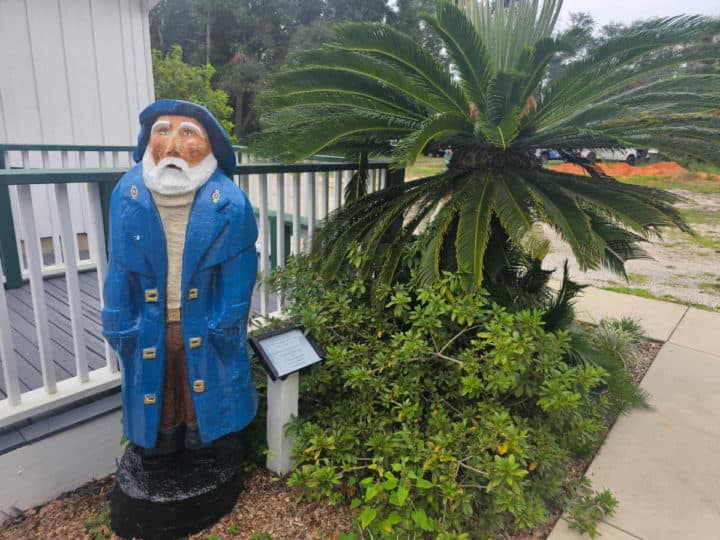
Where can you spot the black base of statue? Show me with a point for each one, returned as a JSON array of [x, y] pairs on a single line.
[[173, 497]]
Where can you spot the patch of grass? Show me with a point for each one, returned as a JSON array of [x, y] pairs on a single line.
[[700, 217], [638, 279], [98, 526], [704, 167], [709, 286], [696, 182], [642, 293], [709, 242], [622, 289], [425, 166]]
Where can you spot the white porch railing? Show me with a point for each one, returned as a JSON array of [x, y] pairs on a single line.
[[40, 187]]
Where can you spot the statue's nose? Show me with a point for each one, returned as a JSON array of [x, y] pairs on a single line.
[[173, 148]]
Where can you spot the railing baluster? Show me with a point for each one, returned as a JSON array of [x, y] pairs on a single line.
[[310, 179], [96, 235], [7, 354], [338, 189], [383, 178], [347, 176], [296, 213], [264, 239], [280, 225], [57, 259], [32, 252], [324, 195], [73, 284]]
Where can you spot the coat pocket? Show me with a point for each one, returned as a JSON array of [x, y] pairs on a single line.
[[231, 325]]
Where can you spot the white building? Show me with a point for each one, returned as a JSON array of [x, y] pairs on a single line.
[[73, 72]]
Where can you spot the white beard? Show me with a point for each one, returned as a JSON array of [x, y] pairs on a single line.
[[170, 181]]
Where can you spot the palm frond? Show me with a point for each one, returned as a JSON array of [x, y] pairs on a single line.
[[474, 216], [466, 49], [509, 29], [434, 127], [318, 133], [404, 52]]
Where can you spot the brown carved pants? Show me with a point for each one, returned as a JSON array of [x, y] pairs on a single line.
[[177, 405]]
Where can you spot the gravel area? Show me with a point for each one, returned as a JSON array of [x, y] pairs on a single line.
[[681, 268]]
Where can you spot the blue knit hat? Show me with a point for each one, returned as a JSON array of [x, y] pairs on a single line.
[[219, 140]]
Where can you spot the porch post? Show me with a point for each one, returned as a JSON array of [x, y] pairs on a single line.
[[8, 245]]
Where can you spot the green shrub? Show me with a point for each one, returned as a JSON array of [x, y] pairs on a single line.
[[98, 526], [588, 507], [440, 415]]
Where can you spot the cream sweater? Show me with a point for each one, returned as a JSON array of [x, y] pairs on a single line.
[[174, 212]]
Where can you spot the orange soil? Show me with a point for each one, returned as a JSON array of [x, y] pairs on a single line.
[[619, 169]]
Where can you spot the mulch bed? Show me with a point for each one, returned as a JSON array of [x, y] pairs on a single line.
[[266, 505]]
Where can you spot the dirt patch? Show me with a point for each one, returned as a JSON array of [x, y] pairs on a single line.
[[681, 268], [621, 169]]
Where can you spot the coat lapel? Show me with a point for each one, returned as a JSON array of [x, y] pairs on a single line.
[[144, 233], [207, 221]]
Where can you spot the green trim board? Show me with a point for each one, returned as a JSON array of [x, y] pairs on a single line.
[[63, 148], [8, 244]]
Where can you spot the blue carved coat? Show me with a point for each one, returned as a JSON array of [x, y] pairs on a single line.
[[218, 275]]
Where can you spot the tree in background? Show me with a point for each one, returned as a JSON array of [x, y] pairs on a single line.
[[174, 79], [248, 40]]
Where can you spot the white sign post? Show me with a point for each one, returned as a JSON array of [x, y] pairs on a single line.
[[282, 406], [283, 353]]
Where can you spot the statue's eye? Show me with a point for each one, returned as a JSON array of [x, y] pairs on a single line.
[[187, 132], [164, 131]]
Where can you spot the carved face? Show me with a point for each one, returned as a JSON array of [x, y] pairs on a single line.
[[178, 158], [179, 137]]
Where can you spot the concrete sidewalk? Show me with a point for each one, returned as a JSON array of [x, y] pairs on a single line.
[[663, 465]]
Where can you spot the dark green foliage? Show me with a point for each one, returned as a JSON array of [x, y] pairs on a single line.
[[442, 413], [614, 345], [98, 526], [247, 40], [588, 507], [174, 79]]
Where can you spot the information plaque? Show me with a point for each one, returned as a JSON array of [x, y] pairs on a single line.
[[283, 352]]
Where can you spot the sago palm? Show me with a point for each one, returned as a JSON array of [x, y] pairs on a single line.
[[374, 89]]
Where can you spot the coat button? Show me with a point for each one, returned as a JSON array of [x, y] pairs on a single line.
[[199, 386], [150, 399], [151, 295], [150, 353], [195, 342], [193, 294]]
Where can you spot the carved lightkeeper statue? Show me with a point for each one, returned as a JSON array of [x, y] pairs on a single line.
[[182, 266]]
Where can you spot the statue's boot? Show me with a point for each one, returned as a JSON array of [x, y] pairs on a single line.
[[200, 451], [169, 443]]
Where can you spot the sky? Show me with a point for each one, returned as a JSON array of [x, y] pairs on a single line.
[[627, 11]]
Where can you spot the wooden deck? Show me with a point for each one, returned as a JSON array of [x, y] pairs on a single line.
[[24, 335]]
